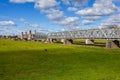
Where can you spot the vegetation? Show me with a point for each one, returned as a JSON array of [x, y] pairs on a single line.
[[24, 60]]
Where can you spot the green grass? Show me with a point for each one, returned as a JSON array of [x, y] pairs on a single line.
[[20, 60], [98, 42]]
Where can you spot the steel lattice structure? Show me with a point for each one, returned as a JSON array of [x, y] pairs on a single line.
[[40, 35], [106, 33]]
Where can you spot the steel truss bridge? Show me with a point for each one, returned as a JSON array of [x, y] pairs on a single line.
[[106, 33], [40, 35]]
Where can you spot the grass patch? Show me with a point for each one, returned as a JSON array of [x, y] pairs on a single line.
[[20, 60], [97, 43]]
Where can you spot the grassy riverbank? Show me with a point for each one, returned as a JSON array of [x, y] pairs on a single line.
[[20, 60]]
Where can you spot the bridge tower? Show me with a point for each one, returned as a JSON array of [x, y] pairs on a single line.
[[26, 36], [30, 35], [35, 35], [22, 36]]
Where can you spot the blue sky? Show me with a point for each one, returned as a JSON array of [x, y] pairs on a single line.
[[57, 15]]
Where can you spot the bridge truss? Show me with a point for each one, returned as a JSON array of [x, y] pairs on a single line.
[[40, 35], [106, 33]]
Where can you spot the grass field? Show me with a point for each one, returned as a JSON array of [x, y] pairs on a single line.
[[20, 60]]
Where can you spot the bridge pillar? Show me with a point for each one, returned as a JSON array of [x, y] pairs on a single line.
[[47, 40], [54, 40], [62, 40], [22, 36], [67, 41], [51, 40], [89, 41], [30, 35], [43, 40], [112, 44]]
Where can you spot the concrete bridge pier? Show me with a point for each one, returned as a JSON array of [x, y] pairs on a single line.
[[22, 36], [89, 41], [62, 40], [112, 44], [43, 40], [51, 40], [54, 40], [67, 41], [47, 40]]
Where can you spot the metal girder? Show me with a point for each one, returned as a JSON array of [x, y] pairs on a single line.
[[41, 35], [106, 33]]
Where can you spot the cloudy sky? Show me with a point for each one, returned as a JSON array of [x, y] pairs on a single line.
[[57, 15]]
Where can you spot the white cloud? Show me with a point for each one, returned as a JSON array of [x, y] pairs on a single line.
[[66, 2], [96, 12], [100, 8], [79, 2], [7, 23], [92, 17], [72, 9], [54, 14], [30, 24], [111, 21], [75, 2], [24, 21], [87, 22], [21, 1], [10, 31], [36, 26], [67, 20], [62, 29], [51, 9], [58, 17], [45, 4], [116, 0], [40, 4]]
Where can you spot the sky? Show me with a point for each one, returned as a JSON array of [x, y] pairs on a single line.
[[18, 16]]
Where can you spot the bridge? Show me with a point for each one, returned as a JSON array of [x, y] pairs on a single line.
[[110, 34]]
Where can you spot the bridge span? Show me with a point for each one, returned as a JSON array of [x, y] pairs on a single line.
[[112, 35], [108, 33]]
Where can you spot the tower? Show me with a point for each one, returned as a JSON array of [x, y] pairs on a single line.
[[22, 35], [30, 35]]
